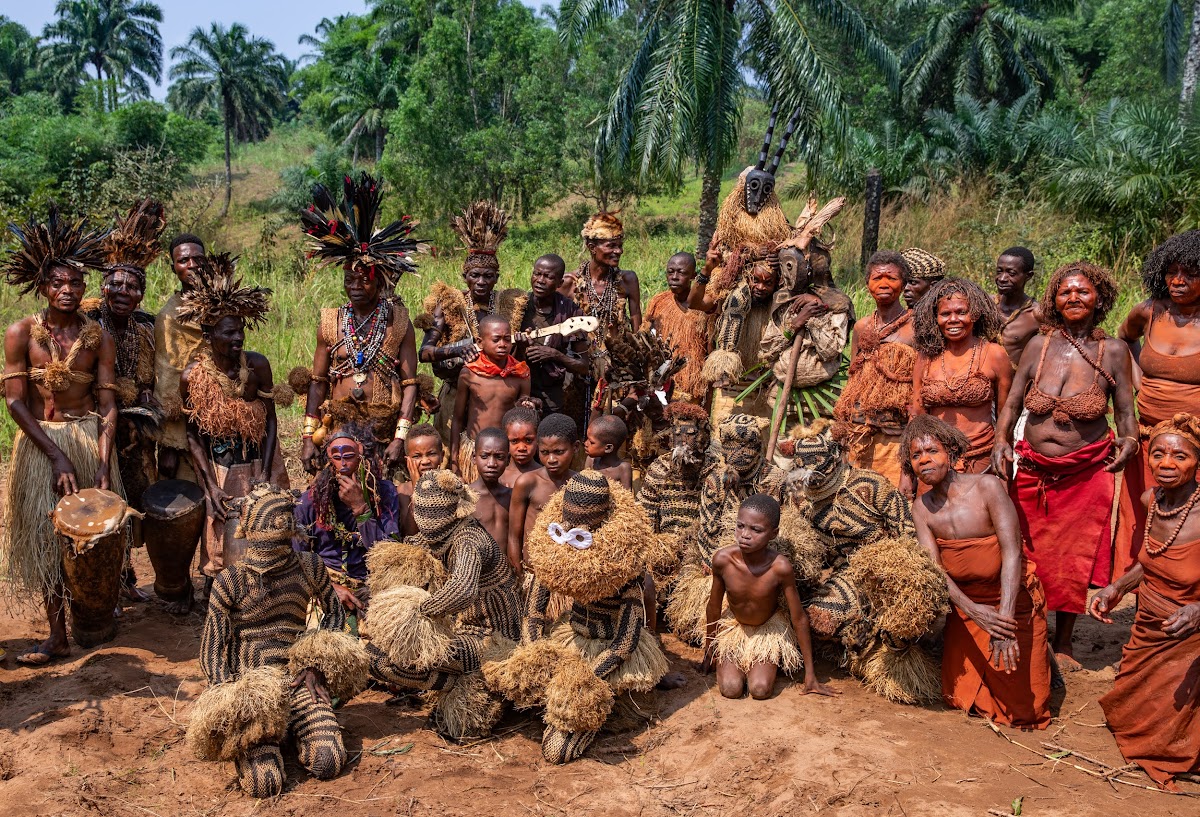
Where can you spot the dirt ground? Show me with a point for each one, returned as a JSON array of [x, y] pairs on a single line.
[[103, 732]]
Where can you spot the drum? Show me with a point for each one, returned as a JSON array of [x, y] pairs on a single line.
[[92, 534], [175, 516]]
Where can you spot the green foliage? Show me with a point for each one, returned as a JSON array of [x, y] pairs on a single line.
[[18, 59]]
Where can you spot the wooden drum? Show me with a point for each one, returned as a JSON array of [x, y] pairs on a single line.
[[175, 515], [92, 533]]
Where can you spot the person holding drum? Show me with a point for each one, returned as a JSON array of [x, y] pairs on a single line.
[[59, 372], [229, 399], [347, 509]]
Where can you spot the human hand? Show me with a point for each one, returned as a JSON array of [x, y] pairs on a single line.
[[537, 353], [216, 504], [709, 659], [312, 680], [353, 604], [815, 687], [308, 455], [470, 353], [809, 307], [102, 479], [1104, 602], [712, 259], [1125, 447], [350, 492], [907, 488], [1002, 460], [1183, 622], [63, 471], [429, 404], [998, 626], [393, 454], [534, 403], [1005, 654]]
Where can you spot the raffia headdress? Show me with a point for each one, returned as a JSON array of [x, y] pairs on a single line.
[[341, 234], [42, 246], [218, 293], [481, 227], [132, 244]]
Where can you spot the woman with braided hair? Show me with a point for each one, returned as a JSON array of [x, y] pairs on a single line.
[[1163, 332], [1064, 484], [347, 510], [961, 375], [1153, 709]]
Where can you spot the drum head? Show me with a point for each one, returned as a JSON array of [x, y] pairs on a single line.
[[89, 515], [172, 498]]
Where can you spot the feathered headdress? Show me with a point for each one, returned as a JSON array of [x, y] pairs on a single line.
[[218, 293], [45, 245], [132, 245], [345, 234], [482, 226]]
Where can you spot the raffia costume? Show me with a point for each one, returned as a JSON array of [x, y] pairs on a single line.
[[866, 583], [29, 549], [743, 471], [442, 602], [254, 642], [593, 543]]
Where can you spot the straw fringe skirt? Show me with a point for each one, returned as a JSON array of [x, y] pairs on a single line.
[[30, 555], [772, 643], [640, 672]]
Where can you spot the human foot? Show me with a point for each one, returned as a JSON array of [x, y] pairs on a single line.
[[672, 680], [1066, 662], [45, 653], [182, 607]]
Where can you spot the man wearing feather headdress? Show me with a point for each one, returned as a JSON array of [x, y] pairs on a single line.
[[451, 317], [365, 366], [59, 373], [229, 398], [129, 249]]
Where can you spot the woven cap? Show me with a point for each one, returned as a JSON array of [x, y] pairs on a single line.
[[924, 264], [440, 499], [739, 429], [268, 515], [586, 501]]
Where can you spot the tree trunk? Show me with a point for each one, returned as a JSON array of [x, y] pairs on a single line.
[[228, 171], [710, 194], [1191, 63], [378, 145], [873, 205]]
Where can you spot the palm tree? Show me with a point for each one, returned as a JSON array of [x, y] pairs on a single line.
[[369, 94], [228, 71], [18, 57], [119, 39], [679, 100], [989, 49], [1172, 56]]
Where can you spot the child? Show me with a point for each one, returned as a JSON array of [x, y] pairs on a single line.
[[521, 425], [755, 641], [558, 441], [491, 460], [605, 436], [423, 452], [489, 385], [687, 331]]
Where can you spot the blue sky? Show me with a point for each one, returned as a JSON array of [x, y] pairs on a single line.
[[280, 22]]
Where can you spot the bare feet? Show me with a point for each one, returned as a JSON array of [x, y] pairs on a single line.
[[672, 680], [45, 653], [181, 607], [1066, 662]]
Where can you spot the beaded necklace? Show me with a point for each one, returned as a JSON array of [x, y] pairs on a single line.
[[363, 343], [599, 306], [473, 319], [1182, 512], [970, 367], [128, 342]]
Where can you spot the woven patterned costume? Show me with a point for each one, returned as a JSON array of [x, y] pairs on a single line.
[[593, 543], [254, 633], [453, 579]]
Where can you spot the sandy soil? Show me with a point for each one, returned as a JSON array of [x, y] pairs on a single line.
[[102, 733]]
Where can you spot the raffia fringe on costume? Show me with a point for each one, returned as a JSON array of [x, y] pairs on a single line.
[[339, 657], [906, 590], [467, 709], [907, 676], [29, 548], [641, 671], [410, 638], [576, 700], [769, 643], [392, 564], [522, 677], [231, 718], [466, 459], [722, 365], [220, 415], [808, 551], [688, 603]]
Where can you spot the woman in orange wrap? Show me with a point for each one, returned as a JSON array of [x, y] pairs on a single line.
[[1064, 483], [961, 376], [994, 663], [1163, 333], [1153, 709]]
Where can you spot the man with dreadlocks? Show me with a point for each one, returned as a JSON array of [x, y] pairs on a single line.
[[365, 365], [742, 471], [175, 344], [451, 317], [59, 368], [269, 676], [868, 586], [442, 602], [229, 398], [348, 509]]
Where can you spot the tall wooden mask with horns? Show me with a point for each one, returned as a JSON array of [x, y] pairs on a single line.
[[760, 181]]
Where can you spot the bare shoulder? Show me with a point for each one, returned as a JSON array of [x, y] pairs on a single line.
[[721, 557], [629, 277], [990, 486], [1033, 349], [19, 330], [258, 362], [997, 356], [782, 566]]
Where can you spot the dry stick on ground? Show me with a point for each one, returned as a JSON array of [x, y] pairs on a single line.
[[1090, 772]]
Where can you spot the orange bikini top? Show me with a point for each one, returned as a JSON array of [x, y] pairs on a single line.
[[1086, 406], [975, 389]]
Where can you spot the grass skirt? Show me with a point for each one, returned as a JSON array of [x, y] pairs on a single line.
[[29, 548], [772, 643], [686, 609], [466, 459], [640, 672]]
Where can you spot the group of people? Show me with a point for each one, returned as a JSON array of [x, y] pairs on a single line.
[[582, 474]]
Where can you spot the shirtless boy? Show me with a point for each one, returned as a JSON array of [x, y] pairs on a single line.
[[491, 458], [520, 425], [757, 642], [489, 385], [423, 452], [605, 436], [558, 441]]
